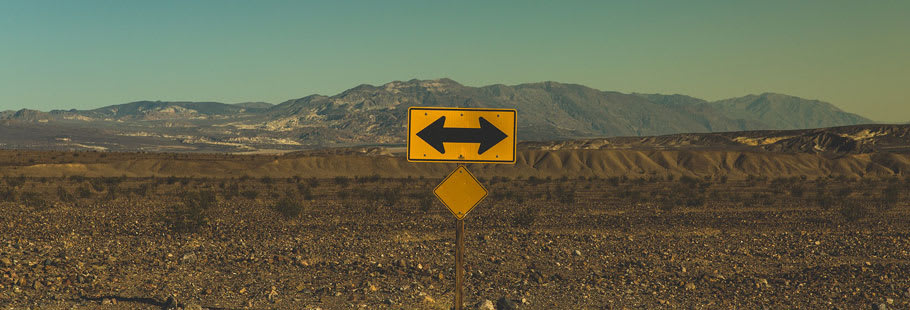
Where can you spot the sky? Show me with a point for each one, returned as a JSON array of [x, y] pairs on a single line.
[[89, 54]]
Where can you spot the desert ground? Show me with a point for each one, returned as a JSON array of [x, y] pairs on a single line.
[[118, 240]]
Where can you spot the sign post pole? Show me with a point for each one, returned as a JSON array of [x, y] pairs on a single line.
[[459, 263]]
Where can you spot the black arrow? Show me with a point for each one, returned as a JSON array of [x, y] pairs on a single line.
[[487, 135]]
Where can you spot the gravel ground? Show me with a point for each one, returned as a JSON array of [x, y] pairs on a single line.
[[351, 253]]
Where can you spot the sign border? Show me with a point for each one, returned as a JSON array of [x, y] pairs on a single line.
[[486, 192], [514, 140]]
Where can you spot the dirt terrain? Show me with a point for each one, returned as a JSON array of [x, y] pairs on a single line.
[[659, 242]]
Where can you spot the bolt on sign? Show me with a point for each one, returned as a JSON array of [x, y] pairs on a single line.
[[461, 135]]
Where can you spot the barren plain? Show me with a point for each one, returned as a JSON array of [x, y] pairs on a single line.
[[565, 228]]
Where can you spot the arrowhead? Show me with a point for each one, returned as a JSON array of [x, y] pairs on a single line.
[[489, 135], [433, 134]]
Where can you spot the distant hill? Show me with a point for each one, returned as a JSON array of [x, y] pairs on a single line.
[[787, 112], [254, 105], [146, 110], [850, 151], [368, 114]]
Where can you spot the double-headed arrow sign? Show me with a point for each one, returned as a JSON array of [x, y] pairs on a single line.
[[487, 135], [472, 135]]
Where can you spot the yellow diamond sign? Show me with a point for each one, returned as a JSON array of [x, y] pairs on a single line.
[[460, 192]]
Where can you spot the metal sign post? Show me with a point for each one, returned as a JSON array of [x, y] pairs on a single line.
[[459, 263]]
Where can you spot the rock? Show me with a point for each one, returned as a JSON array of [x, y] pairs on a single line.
[[505, 304], [107, 301], [5, 262], [485, 305], [889, 301], [881, 306], [170, 303], [192, 306], [273, 294], [690, 286], [577, 253]]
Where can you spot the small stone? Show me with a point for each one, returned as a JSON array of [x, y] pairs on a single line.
[[428, 299], [505, 304], [577, 253], [690, 286], [486, 305], [881, 306], [171, 302], [192, 306], [5, 262], [890, 301], [373, 288], [106, 301], [273, 294]]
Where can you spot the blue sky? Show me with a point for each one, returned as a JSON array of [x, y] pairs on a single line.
[[88, 54]]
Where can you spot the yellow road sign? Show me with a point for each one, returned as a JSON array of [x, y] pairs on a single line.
[[461, 135], [460, 192]]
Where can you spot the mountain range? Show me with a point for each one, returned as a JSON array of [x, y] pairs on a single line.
[[376, 115]]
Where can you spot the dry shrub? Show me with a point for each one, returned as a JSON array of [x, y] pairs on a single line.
[[289, 206], [34, 200], [189, 215], [250, 194], [853, 210], [83, 191], [63, 195], [527, 217]]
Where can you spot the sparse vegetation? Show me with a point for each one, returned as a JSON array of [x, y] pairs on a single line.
[[853, 210], [527, 217], [288, 206], [188, 215]]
